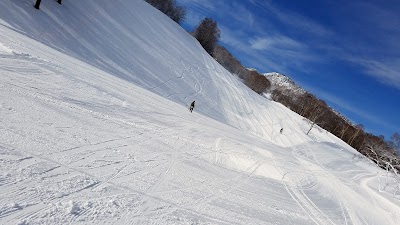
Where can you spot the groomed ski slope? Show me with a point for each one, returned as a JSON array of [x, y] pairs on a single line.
[[95, 128]]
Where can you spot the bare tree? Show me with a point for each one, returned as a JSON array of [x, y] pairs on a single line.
[[392, 175], [395, 142], [384, 157], [229, 62], [371, 149], [376, 149], [344, 130], [358, 129], [169, 8], [317, 112], [312, 109], [207, 33], [257, 82]]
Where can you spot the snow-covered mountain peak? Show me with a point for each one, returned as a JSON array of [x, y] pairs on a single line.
[[279, 80]]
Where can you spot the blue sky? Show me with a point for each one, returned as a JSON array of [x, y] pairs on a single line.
[[345, 52]]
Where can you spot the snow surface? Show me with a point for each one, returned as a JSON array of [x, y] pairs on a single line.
[[95, 128]]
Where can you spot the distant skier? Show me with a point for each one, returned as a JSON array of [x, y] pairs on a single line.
[[281, 130], [192, 106]]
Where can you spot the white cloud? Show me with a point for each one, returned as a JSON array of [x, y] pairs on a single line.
[[260, 43], [240, 13], [294, 20], [387, 72], [234, 11], [233, 38], [365, 114], [280, 41], [199, 5]]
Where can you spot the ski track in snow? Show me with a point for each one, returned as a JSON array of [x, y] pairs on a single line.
[[73, 180], [87, 138]]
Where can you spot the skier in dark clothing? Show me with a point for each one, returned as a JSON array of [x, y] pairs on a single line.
[[192, 106], [281, 130]]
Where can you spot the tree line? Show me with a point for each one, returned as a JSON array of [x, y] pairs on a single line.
[[317, 112], [251, 78]]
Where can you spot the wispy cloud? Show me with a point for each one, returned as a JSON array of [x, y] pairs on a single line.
[[379, 31], [265, 53], [268, 42], [234, 11], [256, 59], [364, 114], [279, 46], [199, 5], [384, 17], [260, 43], [233, 37], [386, 72], [242, 14], [198, 9], [293, 19], [375, 47]]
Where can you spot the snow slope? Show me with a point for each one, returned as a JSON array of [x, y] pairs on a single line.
[[95, 129]]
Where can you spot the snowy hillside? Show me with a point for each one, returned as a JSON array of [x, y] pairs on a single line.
[[280, 80], [284, 83], [95, 129]]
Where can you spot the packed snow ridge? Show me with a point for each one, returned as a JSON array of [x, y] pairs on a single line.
[[95, 128]]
